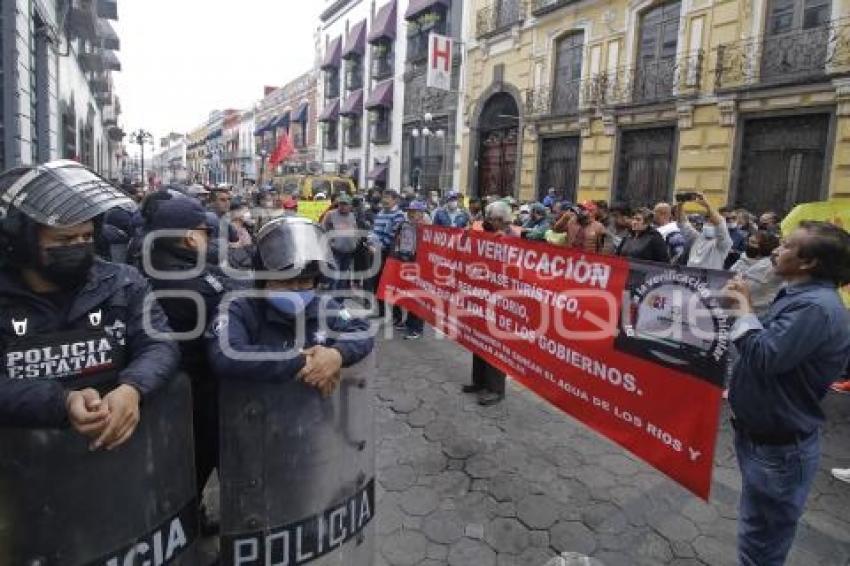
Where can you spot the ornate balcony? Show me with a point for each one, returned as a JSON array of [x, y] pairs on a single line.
[[543, 7], [498, 17], [650, 82], [804, 56], [657, 80], [565, 99]]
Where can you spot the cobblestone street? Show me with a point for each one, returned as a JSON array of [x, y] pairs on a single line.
[[517, 483]]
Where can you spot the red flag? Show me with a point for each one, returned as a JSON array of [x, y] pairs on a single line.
[[283, 150]]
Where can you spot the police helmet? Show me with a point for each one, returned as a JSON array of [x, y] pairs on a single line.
[[297, 246], [56, 194]]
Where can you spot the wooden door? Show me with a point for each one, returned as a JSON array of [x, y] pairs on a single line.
[[655, 75], [645, 174], [782, 162], [568, 61], [497, 162], [558, 167]]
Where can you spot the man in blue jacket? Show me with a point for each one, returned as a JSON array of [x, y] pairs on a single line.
[[786, 363], [286, 331], [73, 335], [451, 214]]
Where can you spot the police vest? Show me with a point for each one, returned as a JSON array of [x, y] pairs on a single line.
[[87, 356]]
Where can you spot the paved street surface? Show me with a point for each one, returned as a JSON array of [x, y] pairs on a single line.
[[518, 483]]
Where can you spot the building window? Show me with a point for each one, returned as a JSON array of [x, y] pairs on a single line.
[[353, 131], [655, 74], [568, 60], [354, 73], [797, 39], [418, 29], [331, 135], [383, 60], [382, 127], [331, 83]]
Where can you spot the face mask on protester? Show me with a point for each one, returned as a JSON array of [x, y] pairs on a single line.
[[291, 303], [452, 205], [68, 266], [709, 231]]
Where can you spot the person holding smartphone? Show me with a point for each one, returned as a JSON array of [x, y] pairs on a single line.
[[712, 244]]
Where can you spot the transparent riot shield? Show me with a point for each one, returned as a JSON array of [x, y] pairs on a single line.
[[297, 472], [61, 504]]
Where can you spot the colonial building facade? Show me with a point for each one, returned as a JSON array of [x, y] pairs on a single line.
[[631, 101], [379, 122], [57, 98], [290, 109]]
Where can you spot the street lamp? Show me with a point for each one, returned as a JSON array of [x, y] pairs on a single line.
[[263, 154], [141, 137]]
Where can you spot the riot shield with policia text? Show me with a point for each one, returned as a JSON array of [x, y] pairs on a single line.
[[64, 505], [297, 472]]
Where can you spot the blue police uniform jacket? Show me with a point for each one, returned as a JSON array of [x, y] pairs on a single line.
[[252, 325], [787, 360], [49, 347]]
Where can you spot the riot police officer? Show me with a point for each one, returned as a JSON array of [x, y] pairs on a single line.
[[291, 253], [297, 457], [177, 263], [72, 334]]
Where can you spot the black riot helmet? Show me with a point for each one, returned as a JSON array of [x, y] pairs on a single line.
[[296, 247], [56, 194]]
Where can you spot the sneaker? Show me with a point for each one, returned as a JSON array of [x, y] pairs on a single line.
[[841, 386], [841, 474], [489, 398], [412, 336]]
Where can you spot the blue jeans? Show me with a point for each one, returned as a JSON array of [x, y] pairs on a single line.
[[776, 484]]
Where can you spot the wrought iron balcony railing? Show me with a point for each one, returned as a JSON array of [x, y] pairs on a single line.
[[797, 57], [501, 15], [564, 99], [542, 7], [659, 80], [654, 80]]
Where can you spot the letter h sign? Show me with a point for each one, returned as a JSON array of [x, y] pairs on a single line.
[[439, 62]]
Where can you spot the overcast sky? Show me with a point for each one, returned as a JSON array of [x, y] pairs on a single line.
[[183, 58]]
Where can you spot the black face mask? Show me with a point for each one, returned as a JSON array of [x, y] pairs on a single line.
[[753, 252], [68, 267]]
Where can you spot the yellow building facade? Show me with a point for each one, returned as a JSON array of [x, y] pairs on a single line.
[[633, 100]]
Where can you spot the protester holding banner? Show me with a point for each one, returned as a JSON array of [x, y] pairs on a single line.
[[786, 363], [384, 229]]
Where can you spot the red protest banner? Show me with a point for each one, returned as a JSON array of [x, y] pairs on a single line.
[[635, 351]]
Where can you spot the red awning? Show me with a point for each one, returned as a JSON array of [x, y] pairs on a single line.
[[381, 96], [333, 54], [330, 113], [416, 7], [385, 24], [356, 43], [353, 105]]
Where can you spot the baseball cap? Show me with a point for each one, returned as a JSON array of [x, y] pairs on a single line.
[[178, 214]]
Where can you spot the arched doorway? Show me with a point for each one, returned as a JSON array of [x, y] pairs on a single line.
[[498, 146]]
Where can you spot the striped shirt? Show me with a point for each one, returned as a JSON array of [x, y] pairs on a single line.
[[386, 225]]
